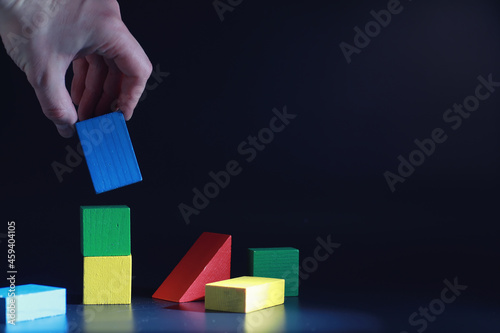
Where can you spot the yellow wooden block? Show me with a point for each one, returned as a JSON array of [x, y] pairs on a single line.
[[107, 280], [244, 294]]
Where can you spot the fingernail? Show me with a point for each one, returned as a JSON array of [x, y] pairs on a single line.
[[66, 131]]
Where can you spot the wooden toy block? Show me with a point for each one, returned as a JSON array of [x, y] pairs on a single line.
[[108, 151], [244, 294], [208, 260], [276, 262], [31, 301], [107, 280], [105, 230]]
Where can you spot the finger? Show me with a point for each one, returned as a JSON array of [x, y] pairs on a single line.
[[80, 68], [133, 62], [50, 89], [94, 81], [110, 90]]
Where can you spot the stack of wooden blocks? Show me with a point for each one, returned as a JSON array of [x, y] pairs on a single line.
[[203, 273], [107, 259]]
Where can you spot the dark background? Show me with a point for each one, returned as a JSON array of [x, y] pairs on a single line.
[[323, 175]]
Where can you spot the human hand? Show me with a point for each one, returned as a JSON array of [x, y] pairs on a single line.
[[44, 37]]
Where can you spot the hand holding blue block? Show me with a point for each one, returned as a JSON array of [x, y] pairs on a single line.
[[108, 151]]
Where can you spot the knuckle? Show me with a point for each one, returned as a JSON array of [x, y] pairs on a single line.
[[57, 115], [148, 68], [39, 79]]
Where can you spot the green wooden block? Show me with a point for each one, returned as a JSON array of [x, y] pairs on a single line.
[[105, 230], [278, 263]]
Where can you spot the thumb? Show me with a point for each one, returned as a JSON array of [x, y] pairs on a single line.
[[54, 99]]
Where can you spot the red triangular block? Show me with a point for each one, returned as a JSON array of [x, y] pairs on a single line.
[[208, 260]]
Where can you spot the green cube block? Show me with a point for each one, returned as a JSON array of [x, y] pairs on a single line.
[[105, 230], [276, 262]]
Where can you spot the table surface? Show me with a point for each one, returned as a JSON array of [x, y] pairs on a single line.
[[312, 311]]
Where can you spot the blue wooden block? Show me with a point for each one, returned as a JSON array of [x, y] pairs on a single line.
[[108, 151], [31, 301]]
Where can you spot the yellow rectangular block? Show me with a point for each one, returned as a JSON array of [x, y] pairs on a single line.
[[244, 294], [107, 280]]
